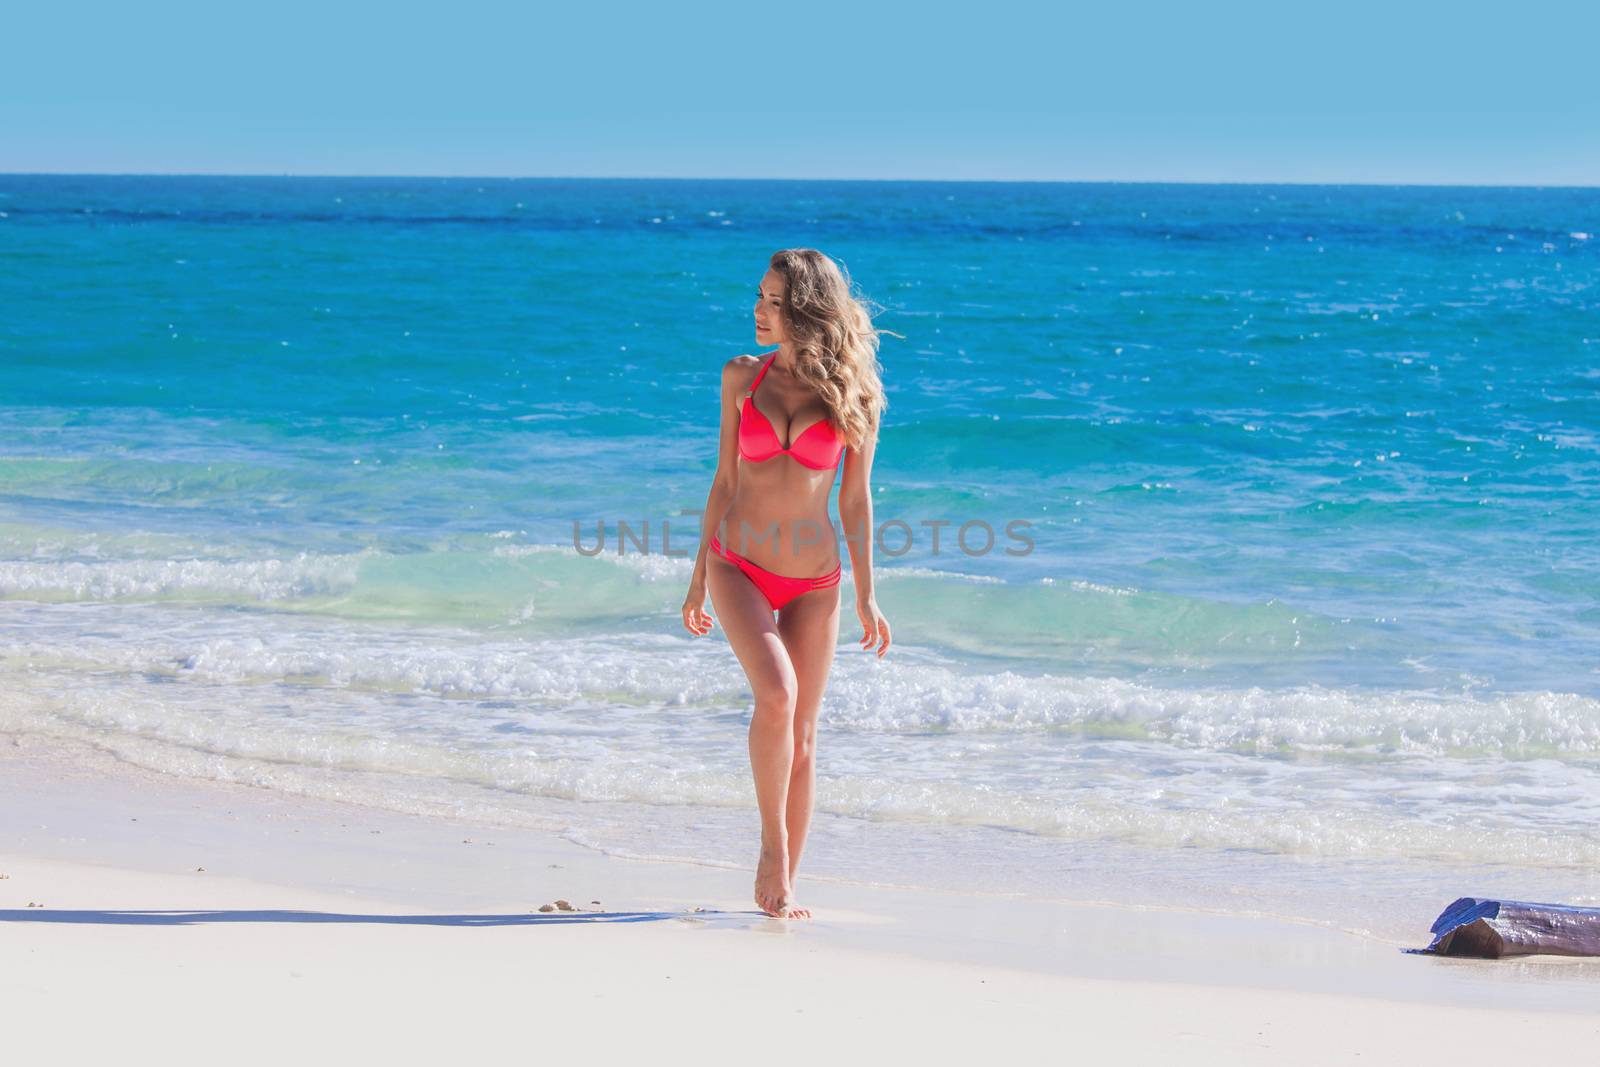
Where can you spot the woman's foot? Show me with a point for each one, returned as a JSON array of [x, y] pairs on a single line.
[[772, 882]]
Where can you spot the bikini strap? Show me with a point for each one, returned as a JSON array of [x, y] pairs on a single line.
[[750, 394]]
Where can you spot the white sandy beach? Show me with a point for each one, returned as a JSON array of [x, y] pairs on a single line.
[[208, 920]]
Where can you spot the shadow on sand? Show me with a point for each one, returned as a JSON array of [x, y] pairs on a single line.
[[197, 917]]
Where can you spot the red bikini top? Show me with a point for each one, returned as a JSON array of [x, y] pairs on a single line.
[[818, 447]]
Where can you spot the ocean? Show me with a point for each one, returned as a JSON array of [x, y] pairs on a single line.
[[294, 473]]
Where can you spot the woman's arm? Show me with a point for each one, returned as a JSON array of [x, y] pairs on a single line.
[[724, 484], [855, 514]]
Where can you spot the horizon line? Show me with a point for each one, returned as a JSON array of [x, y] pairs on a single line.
[[718, 178]]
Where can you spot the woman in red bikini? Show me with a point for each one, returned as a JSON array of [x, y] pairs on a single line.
[[774, 549]]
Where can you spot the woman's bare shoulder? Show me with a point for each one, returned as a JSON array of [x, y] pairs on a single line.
[[739, 370]]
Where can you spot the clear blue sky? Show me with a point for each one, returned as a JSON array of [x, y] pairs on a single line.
[[1202, 90]]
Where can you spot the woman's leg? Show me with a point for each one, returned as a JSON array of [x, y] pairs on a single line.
[[746, 618], [809, 626]]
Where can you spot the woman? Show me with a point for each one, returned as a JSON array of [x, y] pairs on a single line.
[[774, 550]]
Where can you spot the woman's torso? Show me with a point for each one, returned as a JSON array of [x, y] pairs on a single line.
[[779, 515]]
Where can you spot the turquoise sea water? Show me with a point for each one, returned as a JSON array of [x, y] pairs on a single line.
[[290, 467]]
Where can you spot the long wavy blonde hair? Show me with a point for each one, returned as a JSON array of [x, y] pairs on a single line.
[[835, 343]]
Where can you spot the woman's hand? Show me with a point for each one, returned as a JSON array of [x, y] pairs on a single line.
[[696, 619], [875, 628]]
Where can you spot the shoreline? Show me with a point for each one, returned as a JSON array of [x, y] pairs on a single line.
[[92, 840]]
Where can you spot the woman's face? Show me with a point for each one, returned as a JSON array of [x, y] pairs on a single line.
[[769, 310]]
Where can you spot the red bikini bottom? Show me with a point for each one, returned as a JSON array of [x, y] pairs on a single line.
[[775, 587]]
